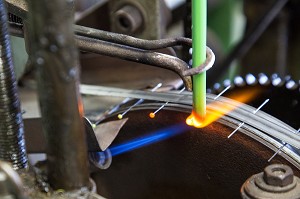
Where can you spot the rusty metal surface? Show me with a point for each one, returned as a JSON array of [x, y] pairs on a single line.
[[199, 163], [132, 41], [277, 181], [89, 44], [56, 58], [278, 175], [137, 55], [19, 8], [155, 17], [12, 143]]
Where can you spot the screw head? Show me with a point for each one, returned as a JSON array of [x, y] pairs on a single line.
[[279, 175]]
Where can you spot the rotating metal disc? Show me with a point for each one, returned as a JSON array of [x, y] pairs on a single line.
[[194, 163]]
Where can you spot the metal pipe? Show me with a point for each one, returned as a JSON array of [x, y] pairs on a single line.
[[131, 41], [12, 144], [56, 59], [136, 55], [91, 43]]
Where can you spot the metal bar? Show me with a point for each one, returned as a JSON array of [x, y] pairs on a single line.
[[141, 56], [56, 59], [136, 55], [228, 87], [131, 41]]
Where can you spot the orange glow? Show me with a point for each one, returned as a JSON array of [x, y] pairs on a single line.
[[152, 115], [221, 109]]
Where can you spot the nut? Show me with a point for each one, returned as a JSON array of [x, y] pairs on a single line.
[[278, 175]]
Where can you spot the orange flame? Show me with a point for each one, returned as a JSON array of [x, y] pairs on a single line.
[[221, 109]]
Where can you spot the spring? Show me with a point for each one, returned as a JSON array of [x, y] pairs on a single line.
[[12, 144]]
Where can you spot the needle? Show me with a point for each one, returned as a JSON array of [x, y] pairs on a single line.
[[152, 114], [233, 132], [266, 101], [228, 87], [280, 148], [254, 112], [120, 116]]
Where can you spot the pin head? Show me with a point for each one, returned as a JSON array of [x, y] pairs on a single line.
[[152, 115], [120, 116]]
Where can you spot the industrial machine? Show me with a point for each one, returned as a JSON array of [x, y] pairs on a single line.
[[98, 99]]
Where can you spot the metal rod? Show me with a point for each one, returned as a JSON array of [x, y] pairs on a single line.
[[131, 41], [136, 55], [120, 116], [273, 156], [228, 87], [152, 114], [12, 144], [172, 63], [266, 101], [55, 57], [233, 132]]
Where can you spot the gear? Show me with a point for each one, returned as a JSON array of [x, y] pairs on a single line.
[[284, 94]]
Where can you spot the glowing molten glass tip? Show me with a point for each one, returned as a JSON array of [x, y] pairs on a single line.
[[195, 120], [220, 108]]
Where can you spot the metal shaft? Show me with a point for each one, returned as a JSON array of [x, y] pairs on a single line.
[[12, 144], [56, 59]]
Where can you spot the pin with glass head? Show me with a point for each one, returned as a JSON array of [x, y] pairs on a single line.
[[120, 116], [254, 112], [152, 114]]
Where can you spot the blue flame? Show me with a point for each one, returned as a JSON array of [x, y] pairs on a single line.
[[151, 138]]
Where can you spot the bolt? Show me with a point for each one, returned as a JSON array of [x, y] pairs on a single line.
[[129, 19], [278, 175]]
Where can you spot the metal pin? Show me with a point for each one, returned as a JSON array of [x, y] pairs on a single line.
[[298, 131], [152, 114], [266, 101], [273, 156], [254, 112], [233, 132], [120, 116], [228, 87]]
